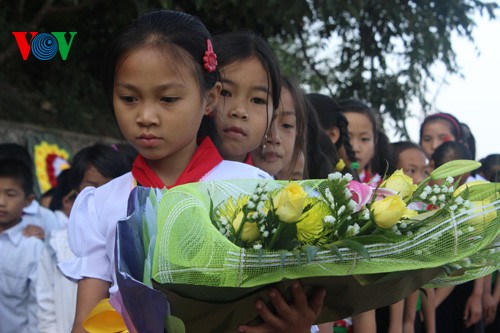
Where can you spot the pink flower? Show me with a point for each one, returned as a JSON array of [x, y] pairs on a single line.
[[210, 58], [361, 194]]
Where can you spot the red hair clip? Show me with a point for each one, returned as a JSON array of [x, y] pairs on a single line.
[[210, 58]]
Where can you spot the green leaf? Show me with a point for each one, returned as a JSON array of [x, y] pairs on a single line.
[[286, 240], [335, 250], [355, 246], [454, 168], [310, 252]]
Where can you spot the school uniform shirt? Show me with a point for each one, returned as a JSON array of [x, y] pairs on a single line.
[[56, 294], [35, 214], [92, 226], [18, 272]]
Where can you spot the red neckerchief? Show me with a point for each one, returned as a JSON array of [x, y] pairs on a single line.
[[204, 159], [248, 160]]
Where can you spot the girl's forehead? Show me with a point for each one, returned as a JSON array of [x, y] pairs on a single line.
[[437, 125]]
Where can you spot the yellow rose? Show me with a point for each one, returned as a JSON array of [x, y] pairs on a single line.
[[388, 211], [290, 202], [250, 232], [310, 226], [401, 184], [462, 188], [482, 218]]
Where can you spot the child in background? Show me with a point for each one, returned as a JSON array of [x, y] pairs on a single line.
[[490, 168], [56, 295], [363, 136], [161, 80], [411, 158], [459, 308], [250, 93], [286, 137], [321, 155], [19, 254], [438, 128], [37, 219], [333, 123]]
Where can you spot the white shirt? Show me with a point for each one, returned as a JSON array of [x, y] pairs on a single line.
[[19, 257], [92, 226], [40, 216], [56, 294]]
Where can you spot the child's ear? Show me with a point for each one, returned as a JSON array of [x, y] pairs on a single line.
[[334, 134], [29, 199], [212, 98]]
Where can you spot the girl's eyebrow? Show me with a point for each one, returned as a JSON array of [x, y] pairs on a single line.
[[158, 88], [257, 88]]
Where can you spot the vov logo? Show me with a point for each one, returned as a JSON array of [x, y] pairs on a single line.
[[44, 46]]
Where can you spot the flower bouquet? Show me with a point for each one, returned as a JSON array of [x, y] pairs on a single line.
[[206, 251]]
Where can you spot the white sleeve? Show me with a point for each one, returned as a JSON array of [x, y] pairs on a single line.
[[45, 293], [87, 240], [32, 303]]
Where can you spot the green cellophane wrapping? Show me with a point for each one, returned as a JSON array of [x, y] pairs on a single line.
[[190, 250]]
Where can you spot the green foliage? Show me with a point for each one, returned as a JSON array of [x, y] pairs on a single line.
[[378, 51]]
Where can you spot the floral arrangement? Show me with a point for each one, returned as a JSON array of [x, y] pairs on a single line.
[[344, 212], [203, 252]]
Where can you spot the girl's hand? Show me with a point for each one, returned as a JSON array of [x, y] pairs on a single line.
[[473, 310], [489, 308], [297, 317], [33, 231]]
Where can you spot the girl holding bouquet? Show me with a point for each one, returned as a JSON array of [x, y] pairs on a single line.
[[161, 80]]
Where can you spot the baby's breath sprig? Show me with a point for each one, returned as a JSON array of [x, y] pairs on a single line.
[[339, 223]]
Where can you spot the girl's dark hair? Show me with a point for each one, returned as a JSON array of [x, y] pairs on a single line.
[[17, 169], [490, 167], [184, 36], [450, 151], [398, 147], [383, 161], [468, 139], [320, 155], [243, 45], [455, 127], [105, 159], [299, 103], [62, 189], [330, 115]]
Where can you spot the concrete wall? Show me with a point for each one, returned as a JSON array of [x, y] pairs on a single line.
[[20, 132]]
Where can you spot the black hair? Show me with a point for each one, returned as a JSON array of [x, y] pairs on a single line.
[[299, 103], [398, 147], [61, 190], [383, 161], [468, 139], [490, 167], [330, 115], [321, 155], [161, 29], [243, 45], [105, 159], [455, 127], [17, 169], [128, 152], [450, 151], [14, 150]]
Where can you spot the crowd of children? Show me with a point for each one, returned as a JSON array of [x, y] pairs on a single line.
[[193, 107]]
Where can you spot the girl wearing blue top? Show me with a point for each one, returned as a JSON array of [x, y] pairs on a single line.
[[161, 81]]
